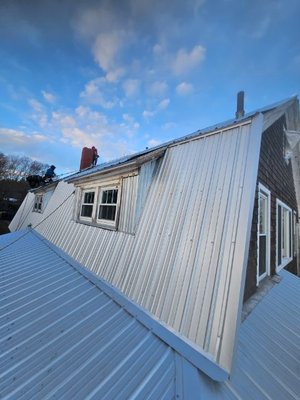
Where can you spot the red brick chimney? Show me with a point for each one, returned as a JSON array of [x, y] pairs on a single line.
[[86, 158]]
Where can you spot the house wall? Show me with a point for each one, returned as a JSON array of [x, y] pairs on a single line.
[[277, 176]]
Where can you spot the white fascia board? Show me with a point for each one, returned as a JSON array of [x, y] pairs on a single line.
[[195, 355]]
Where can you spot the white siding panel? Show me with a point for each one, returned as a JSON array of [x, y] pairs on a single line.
[[146, 174], [128, 204], [185, 262]]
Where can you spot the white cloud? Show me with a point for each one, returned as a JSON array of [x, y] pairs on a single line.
[[158, 88], [39, 114], [20, 139], [148, 114], [131, 87], [186, 61], [115, 75], [106, 47], [163, 104], [93, 94], [184, 88], [131, 121], [49, 97], [153, 142], [169, 125]]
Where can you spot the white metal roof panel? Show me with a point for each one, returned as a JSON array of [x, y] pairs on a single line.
[[268, 356], [185, 263], [62, 337]]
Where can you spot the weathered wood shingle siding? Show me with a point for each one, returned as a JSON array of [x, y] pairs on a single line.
[[275, 174]]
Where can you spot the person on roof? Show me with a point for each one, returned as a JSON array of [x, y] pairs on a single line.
[[95, 156], [49, 174]]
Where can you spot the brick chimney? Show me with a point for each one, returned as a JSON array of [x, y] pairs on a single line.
[[86, 158]]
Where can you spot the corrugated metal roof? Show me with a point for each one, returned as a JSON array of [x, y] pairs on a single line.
[[271, 112], [62, 337], [187, 260], [267, 363], [268, 356], [184, 262]]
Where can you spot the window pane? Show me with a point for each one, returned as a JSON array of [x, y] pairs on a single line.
[[109, 196], [86, 211], [285, 233], [107, 212], [262, 214], [89, 197], [115, 196], [262, 255], [104, 196]]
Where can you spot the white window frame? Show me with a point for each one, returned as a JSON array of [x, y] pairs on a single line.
[[99, 203], [266, 192], [38, 203], [284, 260], [294, 249], [98, 189], [83, 192]]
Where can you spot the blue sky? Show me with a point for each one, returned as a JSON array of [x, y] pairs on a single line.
[[126, 75]]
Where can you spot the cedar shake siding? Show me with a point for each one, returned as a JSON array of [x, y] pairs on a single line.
[[276, 175]]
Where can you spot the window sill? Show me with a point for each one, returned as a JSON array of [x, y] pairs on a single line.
[[95, 225]]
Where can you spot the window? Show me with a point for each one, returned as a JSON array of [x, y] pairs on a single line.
[[284, 235], [87, 204], [263, 233], [108, 204], [99, 206], [38, 203]]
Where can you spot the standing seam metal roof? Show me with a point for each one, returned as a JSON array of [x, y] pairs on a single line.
[[62, 337]]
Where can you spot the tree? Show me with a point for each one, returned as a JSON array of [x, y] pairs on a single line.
[[17, 168], [3, 162]]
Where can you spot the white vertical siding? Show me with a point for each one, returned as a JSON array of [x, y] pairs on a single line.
[[128, 204], [185, 262]]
